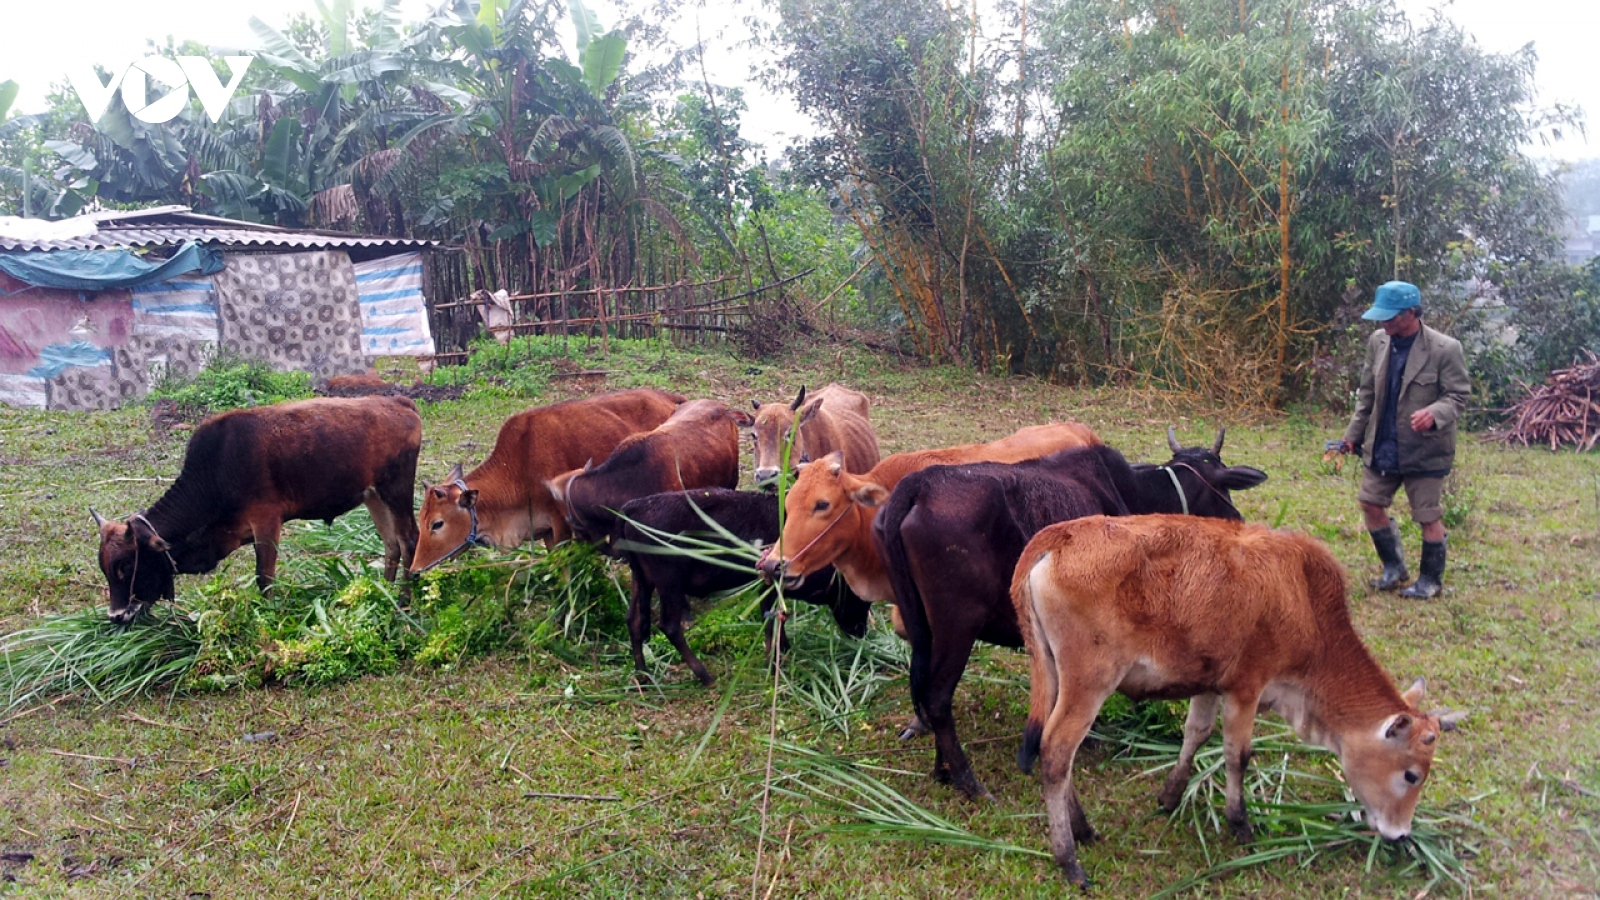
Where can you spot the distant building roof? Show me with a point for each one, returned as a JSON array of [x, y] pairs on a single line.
[[164, 226]]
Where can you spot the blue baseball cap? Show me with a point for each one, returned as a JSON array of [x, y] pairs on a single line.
[[1392, 298]]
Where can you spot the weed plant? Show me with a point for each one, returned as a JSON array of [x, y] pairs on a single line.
[[229, 382]]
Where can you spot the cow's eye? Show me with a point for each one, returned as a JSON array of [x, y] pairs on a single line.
[[1412, 777], [437, 524], [821, 507]]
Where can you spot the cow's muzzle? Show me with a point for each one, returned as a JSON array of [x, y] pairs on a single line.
[[773, 568]]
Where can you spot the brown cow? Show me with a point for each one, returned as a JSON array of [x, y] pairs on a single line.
[[835, 418], [1234, 616], [248, 471], [829, 511], [506, 500], [697, 447]]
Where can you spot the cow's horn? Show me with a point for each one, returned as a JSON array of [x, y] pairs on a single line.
[[1172, 439], [1216, 449], [799, 399], [755, 405], [99, 520], [455, 474]]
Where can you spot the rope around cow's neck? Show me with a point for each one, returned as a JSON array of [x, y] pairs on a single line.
[[1209, 486], [1182, 497]]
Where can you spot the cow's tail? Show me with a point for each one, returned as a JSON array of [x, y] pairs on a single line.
[[1043, 674], [907, 596]]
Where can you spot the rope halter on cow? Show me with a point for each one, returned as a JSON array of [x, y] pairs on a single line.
[[474, 537], [1183, 498], [783, 564]]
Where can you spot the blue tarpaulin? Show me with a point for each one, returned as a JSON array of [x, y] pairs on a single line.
[[100, 270]]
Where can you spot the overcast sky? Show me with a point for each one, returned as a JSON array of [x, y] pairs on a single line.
[[42, 39]]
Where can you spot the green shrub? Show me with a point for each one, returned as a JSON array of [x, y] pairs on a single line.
[[228, 382]]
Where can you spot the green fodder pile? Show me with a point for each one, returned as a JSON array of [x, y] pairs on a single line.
[[328, 618]]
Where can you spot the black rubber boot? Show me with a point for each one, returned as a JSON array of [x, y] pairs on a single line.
[[1387, 542], [1428, 582]]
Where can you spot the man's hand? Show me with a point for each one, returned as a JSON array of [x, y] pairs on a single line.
[[1346, 447], [1422, 420]]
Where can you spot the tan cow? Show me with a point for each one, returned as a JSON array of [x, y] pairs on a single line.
[[1236, 617], [697, 447], [829, 512], [834, 418], [506, 500]]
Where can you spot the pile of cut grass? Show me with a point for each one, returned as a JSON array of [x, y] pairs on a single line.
[[85, 654], [1290, 822], [329, 618]]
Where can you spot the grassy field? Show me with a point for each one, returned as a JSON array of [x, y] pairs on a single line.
[[437, 781]]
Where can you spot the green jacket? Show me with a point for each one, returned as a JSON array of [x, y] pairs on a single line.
[[1435, 379]]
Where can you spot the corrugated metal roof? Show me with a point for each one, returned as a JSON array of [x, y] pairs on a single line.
[[173, 225]]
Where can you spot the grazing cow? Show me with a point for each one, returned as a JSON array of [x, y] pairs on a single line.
[[951, 536], [835, 418], [248, 471], [506, 500], [641, 536], [830, 511], [698, 446], [1231, 615]]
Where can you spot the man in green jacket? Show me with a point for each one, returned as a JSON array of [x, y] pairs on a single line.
[[1414, 387]]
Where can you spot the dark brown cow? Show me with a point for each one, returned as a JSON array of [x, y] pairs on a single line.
[[697, 447], [506, 501], [247, 472], [829, 511], [653, 524], [1236, 617], [951, 536], [834, 418]]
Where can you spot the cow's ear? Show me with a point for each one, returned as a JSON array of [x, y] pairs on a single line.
[[871, 494], [558, 485], [468, 499], [1413, 695], [145, 535], [810, 410], [742, 418], [1398, 728], [1238, 478]]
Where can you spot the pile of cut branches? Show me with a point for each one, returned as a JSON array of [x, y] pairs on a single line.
[[1564, 410]]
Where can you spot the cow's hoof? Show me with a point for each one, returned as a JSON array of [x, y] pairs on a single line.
[[914, 728], [1074, 873], [1168, 801], [1242, 832]]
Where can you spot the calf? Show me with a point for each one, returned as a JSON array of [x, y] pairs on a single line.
[[835, 418], [248, 471], [698, 446], [951, 536], [506, 500], [644, 536], [1231, 615]]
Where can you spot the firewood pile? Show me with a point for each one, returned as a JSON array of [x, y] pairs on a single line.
[[1564, 410]]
